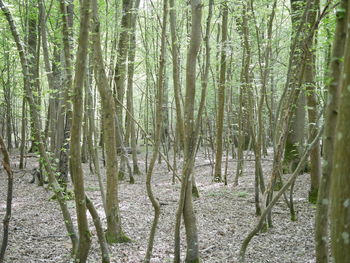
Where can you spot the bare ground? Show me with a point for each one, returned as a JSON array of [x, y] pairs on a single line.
[[225, 215]]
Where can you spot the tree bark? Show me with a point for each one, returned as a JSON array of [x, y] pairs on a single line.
[[158, 131], [323, 202], [7, 217], [114, 232], [221, 97], [340, 185], [191, 135], [75, 151]]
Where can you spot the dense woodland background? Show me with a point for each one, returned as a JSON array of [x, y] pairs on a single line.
[[169, 130]]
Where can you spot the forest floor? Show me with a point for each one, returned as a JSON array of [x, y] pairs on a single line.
[[225, 215]]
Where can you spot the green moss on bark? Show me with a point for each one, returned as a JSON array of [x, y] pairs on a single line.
[[313, 196], [112, 239], [196, 260]]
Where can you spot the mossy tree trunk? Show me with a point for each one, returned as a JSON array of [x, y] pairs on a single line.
[[322, 221], [340, 185]]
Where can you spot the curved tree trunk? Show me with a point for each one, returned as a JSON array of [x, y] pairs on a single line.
[[191, 134], [114, 229], [158, 131]]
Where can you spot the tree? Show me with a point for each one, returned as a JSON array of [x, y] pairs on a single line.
[[221, 96], [340, 183], [75, 153], [114, 228], [321, 220], [28, 90], [7, 217], [191, 135], [158, 131]]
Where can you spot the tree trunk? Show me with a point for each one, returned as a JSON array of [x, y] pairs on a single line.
[[120, 68], [191, 136], [130, 96], [158, 133], [66, 13], [340, 185], [36, 125], [321, 224], [176, 73], [114, 228], [75, 151], [7, 217], [221, 97]]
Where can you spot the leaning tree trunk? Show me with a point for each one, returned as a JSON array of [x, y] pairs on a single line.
[[36, 125]]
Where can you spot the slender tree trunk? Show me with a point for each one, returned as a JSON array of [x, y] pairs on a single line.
[[158, 131], [66, 13], [275, 198], [340, 183], [7, 217], [23, 134], [75, 149], [130, 97], [191, 132], [114, 228], [120, 68], [321, 224], [176, 73], [221, 97], [99, 230], [36, 125], [93, 139]]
